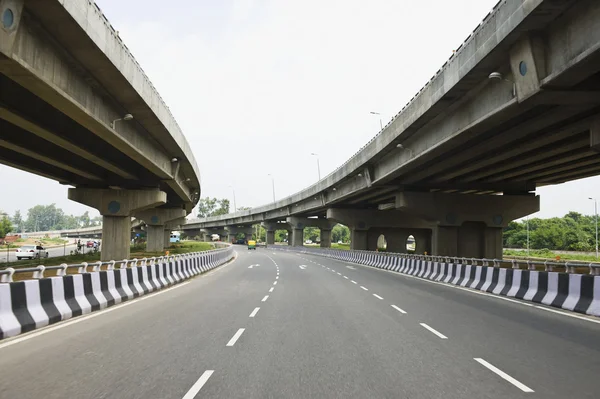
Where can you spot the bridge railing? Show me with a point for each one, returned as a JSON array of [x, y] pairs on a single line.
[[82, 288]]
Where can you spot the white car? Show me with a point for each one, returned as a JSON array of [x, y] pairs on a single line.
[[31, 252], [308, 242]]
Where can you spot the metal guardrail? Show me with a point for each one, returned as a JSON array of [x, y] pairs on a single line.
[[549, 266], [6, 275]]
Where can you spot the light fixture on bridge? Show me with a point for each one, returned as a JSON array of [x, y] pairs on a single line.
[[402, 147], [126, 117], [174, 159], [499, 76], [188, 179]]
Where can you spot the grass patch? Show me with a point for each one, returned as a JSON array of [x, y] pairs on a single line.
[[545, 254], [340, 246], [92, 257]]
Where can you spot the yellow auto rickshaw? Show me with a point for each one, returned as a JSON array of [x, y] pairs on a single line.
[[251, 244]]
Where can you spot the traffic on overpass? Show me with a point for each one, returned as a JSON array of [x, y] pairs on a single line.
[[415, 298]]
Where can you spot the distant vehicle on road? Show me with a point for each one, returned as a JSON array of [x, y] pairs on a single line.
[[175, 237], [90, 244], [308, 242], [241, 241], [251, 244], [31, 252], [215, 237]]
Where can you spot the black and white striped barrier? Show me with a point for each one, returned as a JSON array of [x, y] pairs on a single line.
[[576, 292], [30, 304]]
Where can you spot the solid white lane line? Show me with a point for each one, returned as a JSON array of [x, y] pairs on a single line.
[[439, 334], [346, 277], [502, 374], [364, 288], [265, 298], [254, 312], [274, 282], [236, 336], [191, 394], [398, 309], [272, 288], [377, 296], [568, 314], [353, 282]]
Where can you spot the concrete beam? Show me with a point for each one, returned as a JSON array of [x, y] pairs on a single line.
[[364, 219], [595, 135], [297, 222], [159, 216], [454, 210], [116, 208]]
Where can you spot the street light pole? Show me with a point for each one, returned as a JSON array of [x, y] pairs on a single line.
[[273, 186], [380, 123], [234, 206], [596, 213], [318, 166], [528, 236]]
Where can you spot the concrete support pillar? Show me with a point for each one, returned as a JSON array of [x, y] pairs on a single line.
[[468, 225], [297, 237], [270, 237], [325, 238], [155, 238], [358, 239], [116, 237], [157, 219], [116, 208], [289, 237], [166, 240], [248, 237], [231, 238]]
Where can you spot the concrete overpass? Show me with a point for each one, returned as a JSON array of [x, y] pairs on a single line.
[[76, 107], [517, 106]]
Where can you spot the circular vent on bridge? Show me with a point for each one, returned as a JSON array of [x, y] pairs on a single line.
[[8, 18]]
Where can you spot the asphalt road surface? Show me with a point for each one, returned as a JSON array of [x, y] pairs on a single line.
[[52, 252], [274, 324]]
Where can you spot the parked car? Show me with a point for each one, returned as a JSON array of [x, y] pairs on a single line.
[[89, 244], [308, 242], [31, 252]]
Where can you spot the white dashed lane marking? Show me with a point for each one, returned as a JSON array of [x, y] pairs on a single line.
[[502, 374], [377, 296], [439, 334], [398, 309], [235, 337], [254, 312]]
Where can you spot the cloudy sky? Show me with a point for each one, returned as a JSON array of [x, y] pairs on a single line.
[[257, 86]]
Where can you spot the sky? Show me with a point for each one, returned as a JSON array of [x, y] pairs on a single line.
[[259, 85]]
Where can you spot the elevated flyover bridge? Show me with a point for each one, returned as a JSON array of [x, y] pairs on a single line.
[[516, 107], [76, 107]]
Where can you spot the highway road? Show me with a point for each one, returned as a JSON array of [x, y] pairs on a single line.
[[274, 324], [52, 252]]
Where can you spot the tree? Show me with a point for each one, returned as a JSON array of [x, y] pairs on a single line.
[[340, 233], [312, 233], [44, 217], [85, 219], [5, 226], [212, 207], [17, 220]]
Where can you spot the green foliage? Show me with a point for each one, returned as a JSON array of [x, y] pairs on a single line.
[[312, 233], [572, 232], [17, 221], [340, 233], [212, 207], [5, 226], [281, 235]]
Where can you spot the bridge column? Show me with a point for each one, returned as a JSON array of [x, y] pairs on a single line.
[[298, 224], [367, 225], [270, 237], [468, 225], [233, 231], [116, 208], [325, 238], [156, 220]]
